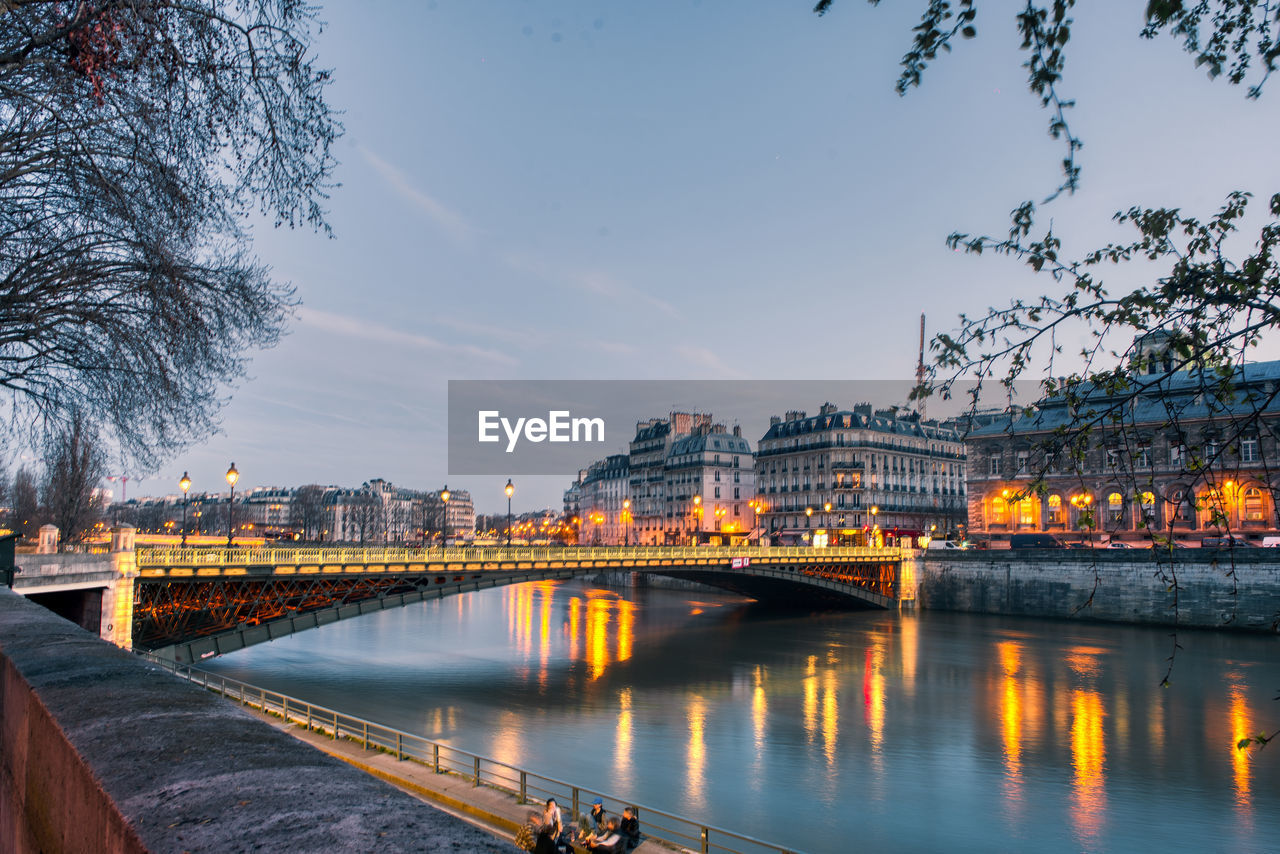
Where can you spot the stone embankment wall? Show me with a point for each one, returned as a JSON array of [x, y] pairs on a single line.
[[102, 752], [1220, 589]]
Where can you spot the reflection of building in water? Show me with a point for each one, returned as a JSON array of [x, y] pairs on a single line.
[[811, 699], [696, 755], [622, 742], [873, 694]]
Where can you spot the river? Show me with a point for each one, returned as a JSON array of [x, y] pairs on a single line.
[[829, 732]]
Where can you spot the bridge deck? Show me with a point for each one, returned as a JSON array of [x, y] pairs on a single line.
[[223, 562]]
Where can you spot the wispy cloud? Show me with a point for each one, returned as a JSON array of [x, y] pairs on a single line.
[[589, 281], [368, 330], [452, 223], [709, 361]]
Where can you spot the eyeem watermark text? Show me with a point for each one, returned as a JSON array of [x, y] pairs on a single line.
[[558, 426]]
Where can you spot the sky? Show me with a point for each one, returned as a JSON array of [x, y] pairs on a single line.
[[707, 189]]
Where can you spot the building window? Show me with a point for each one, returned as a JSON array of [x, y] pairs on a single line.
[[1055, 509], [993, 465], [997, 510], [1115, 508], [1113, 458], [1142, 459], [1022, 458], [1177, 455], [1252, 504], [1249, 451], [1182, 510], [1147, 501], [1026, 512]]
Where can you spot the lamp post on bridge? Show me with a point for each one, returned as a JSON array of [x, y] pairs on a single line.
[[444, 516], [626, 521], [232, 477], [184, 485], [510, 490]]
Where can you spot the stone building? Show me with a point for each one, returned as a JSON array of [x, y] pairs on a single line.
[[1185, 456], [709, 486], [648, 452], [846, 477], [604, 496]]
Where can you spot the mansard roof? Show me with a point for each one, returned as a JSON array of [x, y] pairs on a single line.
[[1182, 396], [881, 421], [697, 443]]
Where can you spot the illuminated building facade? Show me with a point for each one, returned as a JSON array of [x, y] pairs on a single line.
[[1178, 459], [709, 487], [604, 493], [835, 477], [651, 523]]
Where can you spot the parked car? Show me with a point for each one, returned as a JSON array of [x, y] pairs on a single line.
[[1035, 541], [1120, 544], [1229, 541], [1271, 542], [946, 545]]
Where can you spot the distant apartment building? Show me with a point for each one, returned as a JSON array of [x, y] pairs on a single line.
[[378, 512], [651, 509], [845, 477], [685, 480], [604, 501], [710, 486], [267, 508]]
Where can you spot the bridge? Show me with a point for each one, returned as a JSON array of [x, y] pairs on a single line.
[[193, 603]]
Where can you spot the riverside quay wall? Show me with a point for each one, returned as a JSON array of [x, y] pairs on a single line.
[[1205, 588], [102, 752]]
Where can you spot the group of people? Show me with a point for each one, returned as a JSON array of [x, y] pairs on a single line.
[[596, 832]]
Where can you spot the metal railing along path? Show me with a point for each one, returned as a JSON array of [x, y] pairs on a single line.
[[527, 786], [286, 555]]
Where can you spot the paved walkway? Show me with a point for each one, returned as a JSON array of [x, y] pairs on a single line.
[[483, 806]]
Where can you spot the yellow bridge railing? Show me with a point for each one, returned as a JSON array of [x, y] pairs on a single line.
[[307, 555]]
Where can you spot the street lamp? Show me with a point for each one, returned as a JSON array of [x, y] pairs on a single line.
[[826, 511], [184, 485], [232, 477], [510, 490], [874, 511], [626, 520], [808, 517], [444, 516]]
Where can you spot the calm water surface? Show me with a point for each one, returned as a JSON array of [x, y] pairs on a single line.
[[832, 732]]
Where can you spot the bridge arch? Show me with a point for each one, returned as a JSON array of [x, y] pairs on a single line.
[[191, 605]]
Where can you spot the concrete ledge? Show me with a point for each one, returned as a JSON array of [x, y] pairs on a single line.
[[100, 751]]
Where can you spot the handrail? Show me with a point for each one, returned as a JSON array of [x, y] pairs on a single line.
[[293, 555], [679, 831]]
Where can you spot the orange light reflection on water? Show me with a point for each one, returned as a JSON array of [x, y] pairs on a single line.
[[696, 755], [622, 740], [1241, 772], [575, 626], [873, 695], [1088, 747], [810, 707], [1012, 722], [598, 607]]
